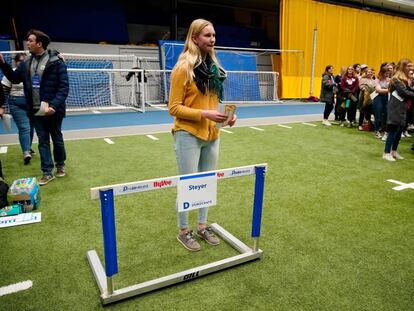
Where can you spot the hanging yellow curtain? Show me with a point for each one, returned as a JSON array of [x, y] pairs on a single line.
[[345, 36]]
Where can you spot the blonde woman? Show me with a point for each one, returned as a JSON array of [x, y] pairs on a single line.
[[195, 91], [397, 108]]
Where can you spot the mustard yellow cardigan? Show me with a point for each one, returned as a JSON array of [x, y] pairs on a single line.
[[185, 104]]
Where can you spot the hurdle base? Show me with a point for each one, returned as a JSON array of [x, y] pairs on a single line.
[[246, 254]]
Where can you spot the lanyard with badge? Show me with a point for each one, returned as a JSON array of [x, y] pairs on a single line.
[[36, 78]]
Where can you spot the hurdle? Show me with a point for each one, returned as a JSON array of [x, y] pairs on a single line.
[[104, 277]]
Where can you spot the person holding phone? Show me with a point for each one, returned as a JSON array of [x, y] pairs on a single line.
[[195, 91]]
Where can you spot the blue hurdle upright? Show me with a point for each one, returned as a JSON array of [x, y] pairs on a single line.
[[104, 277]]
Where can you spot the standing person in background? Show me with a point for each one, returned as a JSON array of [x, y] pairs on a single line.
[[409, 120], [196, 89], [380, 101], [367, 87], [46, 87], [397, 108], [357, 70], [328, 90], [339, 111], [391, 69], [350, 90], [16, 102]]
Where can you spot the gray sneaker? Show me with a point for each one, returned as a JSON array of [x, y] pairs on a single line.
[[60, 171], [188, 241], [208, 235], [46, 179]]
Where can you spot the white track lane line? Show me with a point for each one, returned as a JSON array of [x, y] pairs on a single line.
[[308, 124], [108, 141], [14, 288], [152, 137], [256, 128], [3, 149], [285, 126], [226, 131], [96, 111]]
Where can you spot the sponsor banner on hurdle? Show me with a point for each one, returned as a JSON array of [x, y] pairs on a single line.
[[168, 182], [21, 219], [196, 191]]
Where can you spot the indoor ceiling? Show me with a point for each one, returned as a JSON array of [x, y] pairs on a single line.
[[403, 7], [400, 6]]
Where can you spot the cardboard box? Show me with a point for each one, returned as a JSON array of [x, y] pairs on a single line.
[[25, 191]]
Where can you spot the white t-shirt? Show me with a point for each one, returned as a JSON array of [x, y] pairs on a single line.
[[16, 89]]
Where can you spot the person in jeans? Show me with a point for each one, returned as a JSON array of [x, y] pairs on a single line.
[[195, 91], [46, 87], [350, 90], [397, 108], [328, 89], [380, 101], [367, 87], [19, 109]]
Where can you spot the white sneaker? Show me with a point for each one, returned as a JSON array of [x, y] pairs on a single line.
[[395, 155], [360, 128], [378, 135], [402, 135], [406, 134], [388, 157], [326, 122], [384, 138]]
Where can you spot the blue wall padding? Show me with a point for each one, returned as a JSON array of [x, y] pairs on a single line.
[[5, 46], [235, 89]]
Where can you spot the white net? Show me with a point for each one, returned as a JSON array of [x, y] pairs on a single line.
[[99, 81], [112, 82], [99, 89], [240, 87]]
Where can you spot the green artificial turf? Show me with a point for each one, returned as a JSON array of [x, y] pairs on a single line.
[[335, 235]]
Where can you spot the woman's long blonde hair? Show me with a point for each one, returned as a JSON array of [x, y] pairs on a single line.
[[400, 71], [191, 56]]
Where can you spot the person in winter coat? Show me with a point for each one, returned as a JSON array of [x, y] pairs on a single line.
[[328, 90], [350, 90], [397, 108], [46, 87]]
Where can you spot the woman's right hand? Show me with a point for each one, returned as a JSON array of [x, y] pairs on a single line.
[[1, 112], [213, 115]]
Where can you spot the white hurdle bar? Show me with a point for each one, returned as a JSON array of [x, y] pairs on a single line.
[[104, 276]]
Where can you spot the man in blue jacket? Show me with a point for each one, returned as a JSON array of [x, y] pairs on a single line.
[[46, 87]]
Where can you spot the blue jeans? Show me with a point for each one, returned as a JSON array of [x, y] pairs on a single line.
[[194, 155], [20, 113], [47, 127], [393, 138], [379, 104]]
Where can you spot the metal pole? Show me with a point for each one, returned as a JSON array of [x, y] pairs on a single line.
[[315, 34], [258, 205], [302, 65], [109, 236]]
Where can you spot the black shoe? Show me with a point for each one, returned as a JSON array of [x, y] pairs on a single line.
[[27, 158], [32, 152]]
